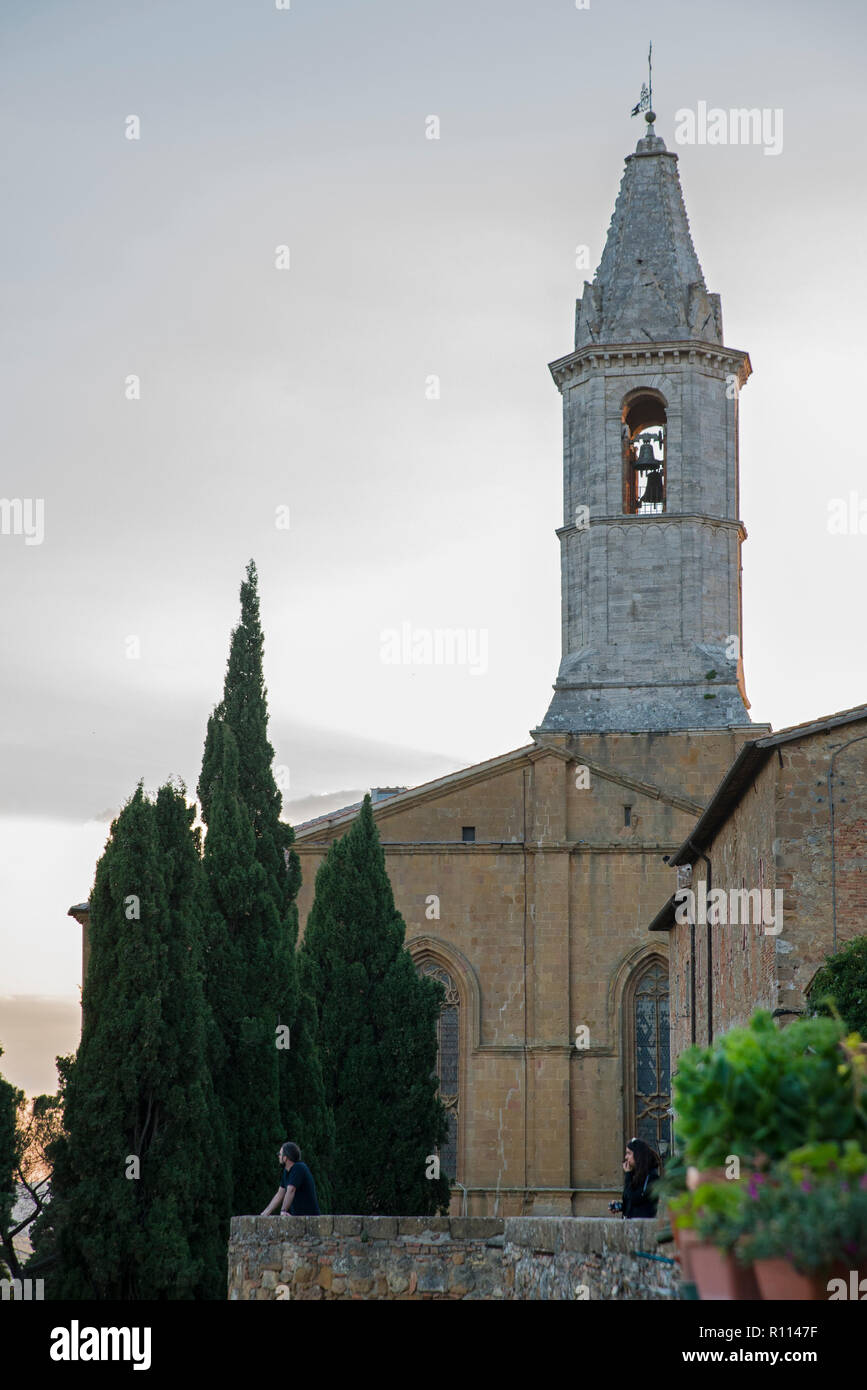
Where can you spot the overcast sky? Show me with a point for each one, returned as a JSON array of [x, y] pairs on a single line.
[[307, 387]]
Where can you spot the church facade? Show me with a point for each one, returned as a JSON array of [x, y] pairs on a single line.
[[528, 882]]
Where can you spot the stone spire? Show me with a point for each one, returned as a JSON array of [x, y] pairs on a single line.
[[649, 286], [651, 535]]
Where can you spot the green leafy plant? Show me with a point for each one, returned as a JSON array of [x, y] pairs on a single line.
[[810, 1209], [715, 1211], [839, 988], [761, 1091]]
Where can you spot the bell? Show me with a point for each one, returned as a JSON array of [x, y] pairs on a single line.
[[653, 491], [646, 459]]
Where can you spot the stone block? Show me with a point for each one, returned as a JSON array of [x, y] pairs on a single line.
[[438, 1225], [348, 1225], [476, 1227], [411, 1225], [532, 1232], [303, 1274], [461, 1281], [381, 1227], [319, 1225], [432, 1279]]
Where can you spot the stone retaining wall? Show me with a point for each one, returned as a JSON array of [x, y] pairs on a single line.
[[586, 1257], [391, 1257]]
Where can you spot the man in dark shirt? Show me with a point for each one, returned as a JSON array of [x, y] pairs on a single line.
[[297, 1188]]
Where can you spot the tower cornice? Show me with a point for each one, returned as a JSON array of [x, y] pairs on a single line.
[[629, 358], [657, 520]]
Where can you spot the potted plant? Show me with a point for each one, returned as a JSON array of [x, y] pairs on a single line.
[[685, 1234], [806, 1222], [714, 1212], [670, 1189], [760, 1091]]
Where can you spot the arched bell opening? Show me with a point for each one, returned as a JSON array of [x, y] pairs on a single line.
[[643, 437]]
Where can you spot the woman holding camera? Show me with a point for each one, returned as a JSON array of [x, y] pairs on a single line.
[[642, 1166]]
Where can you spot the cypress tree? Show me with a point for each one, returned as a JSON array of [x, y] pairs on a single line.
[[265, 988], [247, 954], [139, 1203], [377, 1034]]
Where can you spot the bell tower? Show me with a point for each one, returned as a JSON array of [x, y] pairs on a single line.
[[651, 537]]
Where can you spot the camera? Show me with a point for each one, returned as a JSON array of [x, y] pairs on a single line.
[[615, 1206]]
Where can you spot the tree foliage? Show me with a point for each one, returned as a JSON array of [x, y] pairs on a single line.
[[139, 1200], [269, 1093], [839, 988], [377, 1034]]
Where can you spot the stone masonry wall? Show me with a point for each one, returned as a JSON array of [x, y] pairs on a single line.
[[778, 837], [587, 1257], [421, 1258], [542, 925]]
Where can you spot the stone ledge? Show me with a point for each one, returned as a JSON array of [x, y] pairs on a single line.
[[582, 1234], [476, 1227]]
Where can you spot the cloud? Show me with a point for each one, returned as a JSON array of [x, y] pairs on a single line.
[[80, 758]]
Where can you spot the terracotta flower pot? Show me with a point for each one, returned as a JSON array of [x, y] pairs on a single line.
[[780, 1281], [696, 1176], [685, 1238], [720, 1276]]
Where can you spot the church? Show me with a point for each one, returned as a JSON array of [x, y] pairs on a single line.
[[542, 888], [529, 882]]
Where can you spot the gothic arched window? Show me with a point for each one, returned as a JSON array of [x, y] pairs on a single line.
[[647, 1056], [448, 1061], [643, 434]]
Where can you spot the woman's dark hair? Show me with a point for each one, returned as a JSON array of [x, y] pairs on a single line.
[[646, 1159], [290, 1150]]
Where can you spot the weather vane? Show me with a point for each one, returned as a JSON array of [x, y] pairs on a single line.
[[645, 101]]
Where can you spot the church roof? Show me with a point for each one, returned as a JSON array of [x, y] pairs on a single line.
[[649, 286], [411, 795], [463, 778]]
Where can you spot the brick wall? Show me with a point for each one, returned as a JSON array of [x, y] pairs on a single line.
[[778, 837]]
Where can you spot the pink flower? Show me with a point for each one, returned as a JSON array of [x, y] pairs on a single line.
[[806, 1186]]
